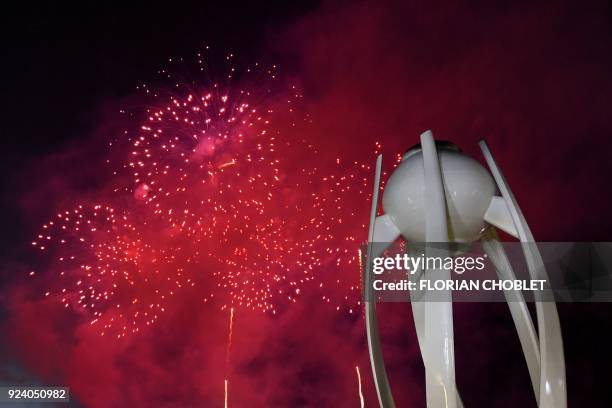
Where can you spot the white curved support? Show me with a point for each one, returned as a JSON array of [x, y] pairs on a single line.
[[553, 393], [438, 351], [499, 216], [518, 309], [383, 389]]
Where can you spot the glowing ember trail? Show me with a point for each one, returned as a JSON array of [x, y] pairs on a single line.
[[227, 351], [225, 387], [361, 399]]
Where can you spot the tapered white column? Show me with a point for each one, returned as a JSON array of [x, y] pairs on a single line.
[[439, 348]]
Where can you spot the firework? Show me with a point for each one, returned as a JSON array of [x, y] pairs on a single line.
[[212, 162], [102, 265], [215, 190]]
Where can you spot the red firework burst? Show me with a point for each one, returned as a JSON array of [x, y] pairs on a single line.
[[222, 193]]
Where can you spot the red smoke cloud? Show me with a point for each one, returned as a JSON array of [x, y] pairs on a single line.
[[532, 80]]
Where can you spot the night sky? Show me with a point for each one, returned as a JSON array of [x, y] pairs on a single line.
[[533, 80]]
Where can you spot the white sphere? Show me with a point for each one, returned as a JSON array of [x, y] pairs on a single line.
[[469, 189]]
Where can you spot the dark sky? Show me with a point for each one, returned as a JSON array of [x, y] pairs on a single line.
[[534, 80], [62, 62]]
